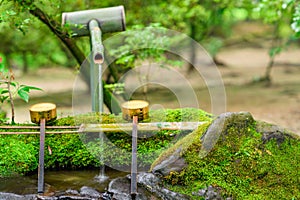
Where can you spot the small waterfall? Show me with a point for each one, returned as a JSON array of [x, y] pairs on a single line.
[[101, 177]]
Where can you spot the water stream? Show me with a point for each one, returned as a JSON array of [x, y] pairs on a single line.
[[56, 181], [101, 177]]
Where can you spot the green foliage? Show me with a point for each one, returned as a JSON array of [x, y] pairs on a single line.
[[144, 44], [10, 88], [283, 15], [295, 25], [242, 167], [13, 87], [26, 42], [117, 88]]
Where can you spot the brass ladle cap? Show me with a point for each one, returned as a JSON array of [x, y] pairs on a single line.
[[40, 111], [138, 108]]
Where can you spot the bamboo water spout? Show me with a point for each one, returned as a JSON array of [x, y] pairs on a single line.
[[94, 23]]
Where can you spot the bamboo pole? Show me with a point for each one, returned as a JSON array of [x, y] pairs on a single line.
[[156, 126], [36, 132], [84, 128], [37, 127]]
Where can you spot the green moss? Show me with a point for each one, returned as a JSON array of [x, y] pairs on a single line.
[[90, 118], [242, 167], [184, 144], [17, 155], [71, 151], [177, 115]]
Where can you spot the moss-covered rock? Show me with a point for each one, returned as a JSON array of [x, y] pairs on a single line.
[[231, 156], [172, 159]]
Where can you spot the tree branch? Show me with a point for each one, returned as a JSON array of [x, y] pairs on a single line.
[[57, 30]]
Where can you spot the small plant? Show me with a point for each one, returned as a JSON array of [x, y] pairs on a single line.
[[9, 89]]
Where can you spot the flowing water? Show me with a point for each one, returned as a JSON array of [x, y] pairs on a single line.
[[101, 177], [56, 181]]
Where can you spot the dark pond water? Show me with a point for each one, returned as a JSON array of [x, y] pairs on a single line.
[[56, 181]]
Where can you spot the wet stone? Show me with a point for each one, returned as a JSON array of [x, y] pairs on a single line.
[[10, 196], [120, 187], [76, 198], [106, 196], [40, 197], [90, 192], [210, 193], [174, 163], [151, 182], [72, 192]]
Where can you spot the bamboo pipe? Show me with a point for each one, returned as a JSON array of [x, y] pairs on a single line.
[[84, 128]]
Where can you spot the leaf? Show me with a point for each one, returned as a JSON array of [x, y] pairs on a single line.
[[1, 66], [3, 91], [126, 59], [13, 84], [11, 12], [3, 98], [275, 51], [24, 95], [28, 88]]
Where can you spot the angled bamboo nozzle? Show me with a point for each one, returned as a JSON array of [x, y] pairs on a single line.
[[40, 111], [138, 108], [110, 19]]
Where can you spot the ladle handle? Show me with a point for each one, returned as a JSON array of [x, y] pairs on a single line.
[[41, 156], [134, 157]]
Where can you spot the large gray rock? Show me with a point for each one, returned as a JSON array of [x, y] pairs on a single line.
[[174, 163], [220, 126]]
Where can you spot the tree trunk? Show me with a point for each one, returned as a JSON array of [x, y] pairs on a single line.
[[193, 49], [276, 43], [11, 100], [25, 62], [267, 76]]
